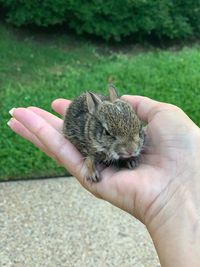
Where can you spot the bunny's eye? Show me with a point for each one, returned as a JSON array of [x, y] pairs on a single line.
[[105, 132]]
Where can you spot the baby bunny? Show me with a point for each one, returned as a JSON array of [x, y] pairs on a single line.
[[104, 130]]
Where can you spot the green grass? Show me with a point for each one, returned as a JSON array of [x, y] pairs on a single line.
[[35, 73]]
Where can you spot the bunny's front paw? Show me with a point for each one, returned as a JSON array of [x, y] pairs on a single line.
[[93, 177], [92, 174], [132, 163]]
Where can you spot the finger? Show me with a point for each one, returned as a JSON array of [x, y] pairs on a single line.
[[54, 141], [34, 128], [60, 105], [19, 128], [54, 121], [145, 107]]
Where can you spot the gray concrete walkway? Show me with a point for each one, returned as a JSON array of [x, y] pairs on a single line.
[[57, 223]]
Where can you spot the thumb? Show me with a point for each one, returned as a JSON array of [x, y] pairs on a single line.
[[145, 107]]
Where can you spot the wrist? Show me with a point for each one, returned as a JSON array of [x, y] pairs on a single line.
[[177, 238]]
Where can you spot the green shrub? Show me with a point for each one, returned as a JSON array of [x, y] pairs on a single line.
[[111, 19]]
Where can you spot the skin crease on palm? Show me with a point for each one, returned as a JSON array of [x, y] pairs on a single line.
[[170, 160]]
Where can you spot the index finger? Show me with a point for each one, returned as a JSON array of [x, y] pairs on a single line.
[[60, 105], [53, 140]]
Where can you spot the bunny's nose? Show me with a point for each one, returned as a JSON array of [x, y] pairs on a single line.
[[130, 151]]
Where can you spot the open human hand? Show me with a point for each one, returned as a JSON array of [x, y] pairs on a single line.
[[144, 192], [162, 192]]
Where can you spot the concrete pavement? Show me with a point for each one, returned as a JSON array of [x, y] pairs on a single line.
[[57, 223]]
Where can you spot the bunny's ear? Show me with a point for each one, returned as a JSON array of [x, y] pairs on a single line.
[[92, 101], [112, 93]]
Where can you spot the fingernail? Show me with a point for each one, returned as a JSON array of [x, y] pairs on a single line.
[[11, 111], [9, 122]]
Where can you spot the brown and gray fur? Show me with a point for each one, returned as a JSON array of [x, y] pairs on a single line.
[[103, 129]]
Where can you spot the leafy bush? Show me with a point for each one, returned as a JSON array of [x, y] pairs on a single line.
[[111, 19]]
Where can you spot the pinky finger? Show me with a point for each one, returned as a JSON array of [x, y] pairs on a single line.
[[22, 131]]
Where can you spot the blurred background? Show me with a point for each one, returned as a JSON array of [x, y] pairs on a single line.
[[58, 49]]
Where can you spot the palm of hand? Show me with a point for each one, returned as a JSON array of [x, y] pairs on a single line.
[[145, 191], [136, 191]]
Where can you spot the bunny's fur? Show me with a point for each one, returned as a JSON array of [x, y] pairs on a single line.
[[103, 129]]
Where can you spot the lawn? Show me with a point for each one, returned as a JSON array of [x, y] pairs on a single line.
[[35, 71]]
